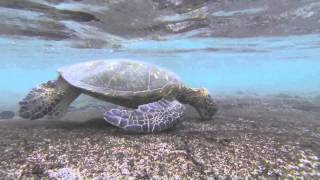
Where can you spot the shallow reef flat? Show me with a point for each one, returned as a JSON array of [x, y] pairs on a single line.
[[249, 137]]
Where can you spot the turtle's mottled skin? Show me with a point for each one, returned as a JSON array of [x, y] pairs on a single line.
[[152, 117], [154, 93]]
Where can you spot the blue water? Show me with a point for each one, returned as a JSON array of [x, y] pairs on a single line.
[[263, 65]]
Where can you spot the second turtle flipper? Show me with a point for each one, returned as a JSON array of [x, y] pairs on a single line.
[[147, 118], [49, 98]]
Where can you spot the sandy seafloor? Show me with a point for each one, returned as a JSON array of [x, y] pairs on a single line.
[[270, 137]]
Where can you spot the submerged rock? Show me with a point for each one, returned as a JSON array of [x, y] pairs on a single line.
[[6, 114]]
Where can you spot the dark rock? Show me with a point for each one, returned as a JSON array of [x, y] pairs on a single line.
[[37, 170], [6, 115]]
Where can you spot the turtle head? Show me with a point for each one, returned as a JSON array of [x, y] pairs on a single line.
[[201, 100], [206, 107]]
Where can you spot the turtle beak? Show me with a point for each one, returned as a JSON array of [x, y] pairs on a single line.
[[207, 109]]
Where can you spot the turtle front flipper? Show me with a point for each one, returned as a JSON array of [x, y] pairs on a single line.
[[48, 98], [147, 118]]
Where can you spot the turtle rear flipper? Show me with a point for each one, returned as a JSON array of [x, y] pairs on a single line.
[[46, 99], [148, 118]]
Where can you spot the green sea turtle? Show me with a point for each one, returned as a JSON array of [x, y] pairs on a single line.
[[156, 95]]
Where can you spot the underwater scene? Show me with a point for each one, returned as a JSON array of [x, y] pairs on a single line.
[[159, 89]]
